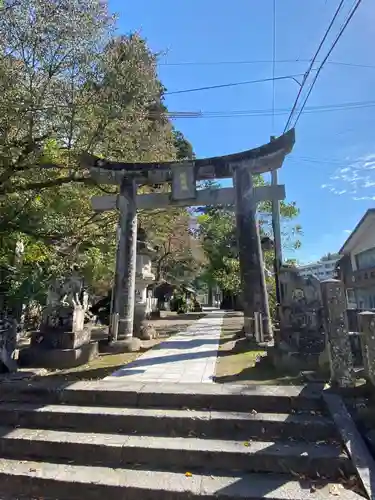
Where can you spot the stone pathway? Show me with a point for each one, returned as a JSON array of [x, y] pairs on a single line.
[[188, 357]]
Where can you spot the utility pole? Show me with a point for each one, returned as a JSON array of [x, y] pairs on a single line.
[[276, 236]]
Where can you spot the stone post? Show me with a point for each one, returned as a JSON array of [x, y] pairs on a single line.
[[254, 293], [367, 329], [336, 327]]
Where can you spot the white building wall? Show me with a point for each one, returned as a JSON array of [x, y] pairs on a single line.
[[367, 242], [322, 270]]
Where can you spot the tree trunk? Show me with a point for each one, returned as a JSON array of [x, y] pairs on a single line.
[[210, 298]]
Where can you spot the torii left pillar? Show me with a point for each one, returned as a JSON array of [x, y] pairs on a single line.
[[124, 288]]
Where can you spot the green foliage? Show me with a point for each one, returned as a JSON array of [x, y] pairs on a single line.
[[330, 256], [69, 86], [217, 231], [183, 147]]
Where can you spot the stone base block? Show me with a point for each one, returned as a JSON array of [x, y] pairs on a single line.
[[37, 356], [293, 362], [121, 346], [159, 314], [60, 338]]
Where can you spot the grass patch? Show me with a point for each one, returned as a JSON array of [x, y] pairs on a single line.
[[98, 368], [241, 360]]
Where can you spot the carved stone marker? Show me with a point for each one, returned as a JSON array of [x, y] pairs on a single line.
[[300, 340], [367, 329], [336, 327], [63, 340]]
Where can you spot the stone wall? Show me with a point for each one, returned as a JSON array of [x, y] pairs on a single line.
[[367, 328]]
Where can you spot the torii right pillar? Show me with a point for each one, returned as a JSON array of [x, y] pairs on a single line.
[[253, 283]]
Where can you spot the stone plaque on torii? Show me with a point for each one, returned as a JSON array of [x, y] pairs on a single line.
[[183, 177]]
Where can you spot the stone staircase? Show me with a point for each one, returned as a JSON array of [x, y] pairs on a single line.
[[168, 442]]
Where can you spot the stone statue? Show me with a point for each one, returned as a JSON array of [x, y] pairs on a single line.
[[142, 243], [67, 291], [64, 297], [72, 288]]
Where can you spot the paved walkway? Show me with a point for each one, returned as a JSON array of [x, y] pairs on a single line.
[[188, 357]]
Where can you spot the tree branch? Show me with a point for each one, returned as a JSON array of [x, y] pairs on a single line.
[[60, 181]]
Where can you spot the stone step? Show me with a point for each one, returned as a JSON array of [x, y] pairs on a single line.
[[119, 393], [74, 482], [170, 422], [177, 453]]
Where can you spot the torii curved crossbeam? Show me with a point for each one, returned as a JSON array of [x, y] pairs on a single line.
[[259, 160]]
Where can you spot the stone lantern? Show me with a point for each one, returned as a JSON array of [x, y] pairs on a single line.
[[144, 303]]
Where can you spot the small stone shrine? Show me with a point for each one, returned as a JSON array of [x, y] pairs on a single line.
[[301, 338], [63, 340]]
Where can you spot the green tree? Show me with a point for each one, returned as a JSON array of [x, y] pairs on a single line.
[[70, 86], [217, 231]]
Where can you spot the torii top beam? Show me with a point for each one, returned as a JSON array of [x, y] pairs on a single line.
[[263, 159]]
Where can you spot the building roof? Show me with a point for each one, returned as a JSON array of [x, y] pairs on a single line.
[[318, 263], [346, 246]]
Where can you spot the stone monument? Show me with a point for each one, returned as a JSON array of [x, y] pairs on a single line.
[[63, 340], [301, 338], [338, 345]]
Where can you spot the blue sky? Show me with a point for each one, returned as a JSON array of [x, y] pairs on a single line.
[[331, 171]]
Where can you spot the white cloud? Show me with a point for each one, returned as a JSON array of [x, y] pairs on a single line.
[[354, 178], [361, 198], [347, 231]]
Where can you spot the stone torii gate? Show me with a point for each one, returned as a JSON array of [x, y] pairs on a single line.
[[183, 177]]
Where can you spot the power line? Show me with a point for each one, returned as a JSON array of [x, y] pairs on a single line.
[[335, 162], [268, 112], [273, 65], [220, 113], [312, 62], [327, 56], [262, 61], [235, 84]]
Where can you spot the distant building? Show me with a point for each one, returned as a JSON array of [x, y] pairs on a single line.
[[357, 264], [322, 270]]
